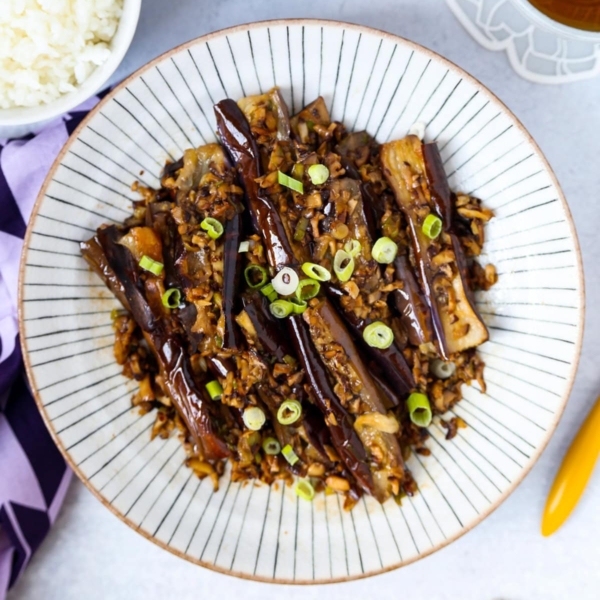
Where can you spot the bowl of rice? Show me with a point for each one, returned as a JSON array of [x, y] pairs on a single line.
[[55, 54]]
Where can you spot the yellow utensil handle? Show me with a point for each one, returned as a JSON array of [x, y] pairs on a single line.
[[574, 473]]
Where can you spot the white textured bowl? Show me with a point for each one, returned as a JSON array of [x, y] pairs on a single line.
[[15, 122], [371, 80]]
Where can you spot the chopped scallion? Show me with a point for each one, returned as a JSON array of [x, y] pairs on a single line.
[[213, 227], [343, 265], [151, 265], [378, 335], [298, 306], [281, 308], [384, 250], [214, 389], [318, 174], [301, 227], [256, 276], [353, 248], [285, 282], [271, 446], [316, 271], [244, 247], [289, 454], [289, 412], [290, 182], [269, 291], [419, 409], [432, 226], [305, 490], [254, 418], [171, 298], [307, 289]]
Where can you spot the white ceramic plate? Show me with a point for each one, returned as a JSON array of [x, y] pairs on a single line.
[[371, 80]]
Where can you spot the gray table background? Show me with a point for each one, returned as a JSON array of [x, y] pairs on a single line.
[[90, 554]]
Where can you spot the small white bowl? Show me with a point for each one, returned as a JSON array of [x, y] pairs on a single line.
[[16, 122]]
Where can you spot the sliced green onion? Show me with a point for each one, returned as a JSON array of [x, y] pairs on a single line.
[[305, 490], [298, 306], [269, 292], [281, 308], [254, 418], [289, 454], [307, 289], [316, 271], [244, 247], [343, 265], [289, 360], [419, 409], [256, 276], [290, 182], [171, 298], [151, 265], [271, 446], [219, 342], [432, 226], [301, 227], [213, 227], [384, 250], [441, 369], [217, 298], [214, 389], [289, 412], [318, 174], [353, 248], [378, 335], [286, 281]]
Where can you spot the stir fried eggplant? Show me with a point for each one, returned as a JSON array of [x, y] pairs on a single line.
[[442, 269], [254, 288]]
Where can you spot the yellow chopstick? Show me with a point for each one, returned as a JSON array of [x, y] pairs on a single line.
[[574, 473]]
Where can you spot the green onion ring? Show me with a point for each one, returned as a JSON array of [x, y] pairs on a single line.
[[307, 289], [305, 490], [353, 248], [432, 226], [343, 265], [378, 335], [318, 174], [289, 454], [316, 271], [289, 412], [271, 446], [419, 409], [384, 250], [254, 418], [250, 270], [171, 298], [213, 227], [214, 389], [281, 308]]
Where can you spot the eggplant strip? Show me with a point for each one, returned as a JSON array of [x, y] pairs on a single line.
[[168, 350], [236, 136], [441, 263], [231, 277]]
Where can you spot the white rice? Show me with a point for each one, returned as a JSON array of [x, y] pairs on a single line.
[[49, 47]]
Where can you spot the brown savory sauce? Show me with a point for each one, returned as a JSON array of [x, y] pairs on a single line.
[[581, 14]]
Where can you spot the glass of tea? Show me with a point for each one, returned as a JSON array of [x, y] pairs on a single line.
[[574, 19]]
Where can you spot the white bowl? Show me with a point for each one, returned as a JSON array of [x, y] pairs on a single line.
[[15, 122], [370, 80]]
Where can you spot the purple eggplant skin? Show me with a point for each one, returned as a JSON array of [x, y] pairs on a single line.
[[344, 437], [232, 264], [236, 137], [268, 328], [171, 356], [411, 305], [219, 366], [441, 195]]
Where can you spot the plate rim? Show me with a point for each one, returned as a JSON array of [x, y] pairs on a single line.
[[361, 29]]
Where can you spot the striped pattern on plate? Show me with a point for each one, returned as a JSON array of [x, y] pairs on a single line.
[[370, 80]]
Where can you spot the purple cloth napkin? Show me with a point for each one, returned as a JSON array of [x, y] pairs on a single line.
[[33, 474]]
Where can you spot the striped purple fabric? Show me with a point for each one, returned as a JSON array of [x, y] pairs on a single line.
[[33, 474]]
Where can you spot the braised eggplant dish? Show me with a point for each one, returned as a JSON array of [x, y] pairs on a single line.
[[297, 300]]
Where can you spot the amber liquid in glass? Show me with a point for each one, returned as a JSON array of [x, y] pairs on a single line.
[[581, 14]]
